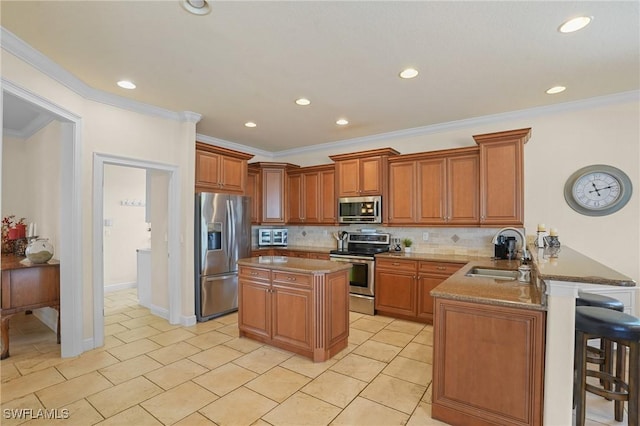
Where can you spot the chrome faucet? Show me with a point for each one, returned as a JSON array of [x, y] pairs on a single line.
[[525, 253]]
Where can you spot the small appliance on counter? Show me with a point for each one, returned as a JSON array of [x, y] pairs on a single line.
[[505, 247], [269, 237]]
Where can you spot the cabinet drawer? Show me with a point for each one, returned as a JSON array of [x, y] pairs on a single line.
[[397, 264], [255, 273], [442, 268], [321, 256], [301, 254], [292, 278]]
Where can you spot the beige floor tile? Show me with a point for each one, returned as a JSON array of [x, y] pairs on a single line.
[[354, 316], [382, 318], [346, 351], [334, 388], [196, 419], [124, 396], [63, 394], [79, 413], [138, 312], [137, 333], [178, 403], [410, 370], [172, 336], [422, 416], [260, 422], [37, 363], [230, 330], [408, 327], [395, 393], [216, 356], [8, 372], [225, 378], [240, 407], [359, 336], [163, 325], [178, 372], [115, 318], [134, 349], [359, 367], [377, 350], [364, 412], [127, 370], [112, 329], [136, 415], [425, 337], [173, 353], [243, 344], [306, 366], [278, 383], [205, 327], [427, 395], [262, 359], [302, 409], [231, 318], [391, 337], [366, 324], [418, 352], [30, 383], [90, 361], [132, 323], [209, 340], [110, 342], [27, 402]]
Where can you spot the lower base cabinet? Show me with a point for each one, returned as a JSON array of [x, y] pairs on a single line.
[[403, 287], [303, 313], [488, 364]]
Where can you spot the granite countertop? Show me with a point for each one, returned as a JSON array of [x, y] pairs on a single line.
[[491, 291], [309, 249], [295, 264], [570, 265]]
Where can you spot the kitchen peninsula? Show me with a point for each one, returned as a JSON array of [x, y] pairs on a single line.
[[301, 305]]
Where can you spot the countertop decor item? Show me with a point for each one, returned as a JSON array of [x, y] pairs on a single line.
[[12, 230], [39, 250], [598, 190], [407, 242]]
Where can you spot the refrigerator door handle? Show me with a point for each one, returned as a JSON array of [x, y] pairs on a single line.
[[232, 257], [219, 277]]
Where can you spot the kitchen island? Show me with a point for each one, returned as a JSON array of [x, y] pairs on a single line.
[[301, 305]]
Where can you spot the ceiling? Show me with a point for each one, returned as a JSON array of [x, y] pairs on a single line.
[[249, 61]]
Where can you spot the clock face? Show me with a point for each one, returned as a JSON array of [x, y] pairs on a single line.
[[597, 190]]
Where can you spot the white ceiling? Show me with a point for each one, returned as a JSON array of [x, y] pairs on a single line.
[[249, 61]]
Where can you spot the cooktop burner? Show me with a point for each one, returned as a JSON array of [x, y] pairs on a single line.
[[360, 252]]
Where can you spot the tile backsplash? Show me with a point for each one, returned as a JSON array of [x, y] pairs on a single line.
[[462, 241]]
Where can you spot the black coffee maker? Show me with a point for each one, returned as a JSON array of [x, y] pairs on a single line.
[[505, 248]]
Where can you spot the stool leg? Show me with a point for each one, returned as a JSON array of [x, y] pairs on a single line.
[[621, 356], [634, 384], [606, 346], [581, 377]]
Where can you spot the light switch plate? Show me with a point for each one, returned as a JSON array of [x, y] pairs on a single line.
[[425, 236]]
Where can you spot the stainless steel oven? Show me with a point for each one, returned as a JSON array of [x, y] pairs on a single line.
[[360, 252]]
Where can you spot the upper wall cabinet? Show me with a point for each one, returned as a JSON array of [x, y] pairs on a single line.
[[502, 177], [253, 189], [220, 169], [311, 195], [437, 188], [362, 173], [271, 192]]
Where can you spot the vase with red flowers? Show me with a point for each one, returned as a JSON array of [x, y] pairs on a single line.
[[12, 230]]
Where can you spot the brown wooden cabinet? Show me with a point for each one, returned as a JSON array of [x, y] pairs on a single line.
[[271, 180], [488, 364], [305, 313], [362, 173], [254, 190], [220, 169], [502, 177], [439, 188], [311, 195], [403, 286]]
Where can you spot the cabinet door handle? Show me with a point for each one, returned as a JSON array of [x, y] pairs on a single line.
[[291, 278], [395, 264], [441, 268], [254, 273]]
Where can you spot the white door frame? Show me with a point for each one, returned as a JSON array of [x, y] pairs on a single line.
[[71, 302], [173, 236]]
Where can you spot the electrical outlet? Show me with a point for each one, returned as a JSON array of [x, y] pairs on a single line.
[[325, 233], [425, 236]]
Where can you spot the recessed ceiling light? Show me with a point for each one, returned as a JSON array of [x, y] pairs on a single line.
[[408, 73], [125, 84], [303, 101], [575, 24], [250, 124], [556, 89], [197, 7], [342, 122]]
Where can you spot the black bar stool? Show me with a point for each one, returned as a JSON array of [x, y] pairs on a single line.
[[603, 356], [623, 329]]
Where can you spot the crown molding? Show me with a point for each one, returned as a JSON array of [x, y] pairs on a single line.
[[235, 146], [17, 47]]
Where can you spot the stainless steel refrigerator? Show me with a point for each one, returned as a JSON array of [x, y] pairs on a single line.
[[222, 236]]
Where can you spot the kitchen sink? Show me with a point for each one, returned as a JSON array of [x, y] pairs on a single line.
[[497, 274]]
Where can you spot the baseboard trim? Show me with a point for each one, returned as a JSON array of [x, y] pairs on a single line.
[[121, 286]]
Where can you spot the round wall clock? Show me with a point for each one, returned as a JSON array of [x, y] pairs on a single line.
[[597, 190]]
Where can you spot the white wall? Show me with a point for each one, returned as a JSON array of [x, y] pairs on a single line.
[[128, 231], [31, 181]]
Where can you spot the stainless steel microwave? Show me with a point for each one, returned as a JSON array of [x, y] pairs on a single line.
[[360, 209]]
